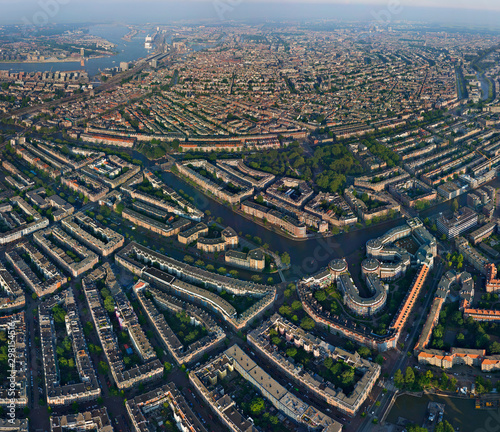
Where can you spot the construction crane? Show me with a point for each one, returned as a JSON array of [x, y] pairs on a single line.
[[486, 157]]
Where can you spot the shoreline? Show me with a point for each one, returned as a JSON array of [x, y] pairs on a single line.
[[56, 60], [266, 226]]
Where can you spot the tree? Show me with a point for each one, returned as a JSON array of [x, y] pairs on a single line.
[[109, 304], [454, 205], [409, 376], [296, 305], [444, 427], [285, 258], [364, 352], [416, 428], [399, 380], [307, 323], [291, 352], [257, 406], [103, 367], [167, 367], [495, 348], [222, 270], [285, 310], [320, 295]]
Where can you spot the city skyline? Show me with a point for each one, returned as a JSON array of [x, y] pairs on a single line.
[[481, 12]]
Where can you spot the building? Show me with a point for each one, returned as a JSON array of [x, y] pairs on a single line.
[[349, 404], [48, 279], [460, 222], [193, 233], [57, 393], [160, 228], [141, 410], [450, 190], [124, 378], [483, 232], [100, 239], [56, 243], [286, 222], [471, 254], [235, 359], [96, 419], [253, 260], [181, 354]]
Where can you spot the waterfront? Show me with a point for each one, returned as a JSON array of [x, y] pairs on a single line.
[[307, 256], [458, 411], [128, 51]]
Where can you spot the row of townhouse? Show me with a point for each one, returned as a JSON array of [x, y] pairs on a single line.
[[141, 409], [96, 420], [381, 181], [48, 279], [141, 262], [57, 393], [15, 297], [100, 239], [152, 370], [53, 240], [150, 297], [219, 191], [332, 208], [252, 177], [235, 359], [347, 403], [307, 218], [87, 186], [15, 389], [160, 228], [128, 319], [286, 222]]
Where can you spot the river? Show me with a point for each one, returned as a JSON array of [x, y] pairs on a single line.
[[127, 52], [459, 412]]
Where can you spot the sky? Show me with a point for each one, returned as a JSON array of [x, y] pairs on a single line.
[[476, 12]]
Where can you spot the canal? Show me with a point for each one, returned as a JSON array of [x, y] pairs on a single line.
[[461, 413], [308, 256]]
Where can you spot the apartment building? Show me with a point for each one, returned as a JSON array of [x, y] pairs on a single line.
[[100, 239], [348, 404], [52, 277], [253, 260], [182, 354], [160, 228], [124, 378], [56, 393], [55, 243], [141, 408], [460, 222]]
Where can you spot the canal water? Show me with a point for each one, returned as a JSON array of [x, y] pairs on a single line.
[[307, 256], [459, 412]]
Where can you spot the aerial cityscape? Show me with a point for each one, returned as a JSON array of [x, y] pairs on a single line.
[[243, 221]]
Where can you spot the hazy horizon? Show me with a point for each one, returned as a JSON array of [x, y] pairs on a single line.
[[485, 13]]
